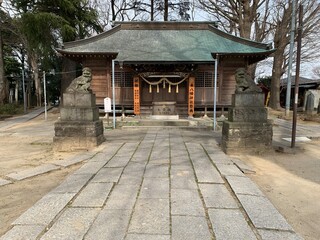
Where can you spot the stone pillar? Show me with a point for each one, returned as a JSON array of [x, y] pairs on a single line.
[[79, 127], [247, 129]]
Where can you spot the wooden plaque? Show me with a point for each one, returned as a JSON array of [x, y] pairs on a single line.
[[191, 96], [136, 95]]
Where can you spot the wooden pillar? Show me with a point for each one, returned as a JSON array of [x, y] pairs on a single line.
[[191, 96], [136, 95]]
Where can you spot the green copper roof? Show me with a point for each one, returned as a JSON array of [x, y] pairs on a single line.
[[166, 45]]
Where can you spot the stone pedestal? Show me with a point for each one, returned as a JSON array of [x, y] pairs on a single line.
[[248, 128], [79, 126]]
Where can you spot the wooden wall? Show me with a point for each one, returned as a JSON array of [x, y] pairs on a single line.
[[101, 77], [102, 83], [228, 68]]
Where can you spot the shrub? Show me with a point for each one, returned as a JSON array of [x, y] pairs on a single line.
[[11, 109]]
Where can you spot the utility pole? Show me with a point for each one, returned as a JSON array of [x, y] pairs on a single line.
[[24, 91], [296, 87], [45, 96], [293, 18]]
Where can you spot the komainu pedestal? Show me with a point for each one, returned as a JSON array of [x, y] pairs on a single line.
[[248, 128], [79, 127]]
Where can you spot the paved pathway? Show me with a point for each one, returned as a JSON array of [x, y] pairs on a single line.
[[155, 184], [10, 122]]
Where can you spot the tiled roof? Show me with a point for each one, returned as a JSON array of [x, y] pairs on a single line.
[[166, 44]]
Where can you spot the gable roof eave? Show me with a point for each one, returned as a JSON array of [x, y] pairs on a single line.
[[241, 40]]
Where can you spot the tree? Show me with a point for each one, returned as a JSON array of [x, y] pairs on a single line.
[[43, 24], [3, 80], [247, 18], [316, 71], [282, 20]]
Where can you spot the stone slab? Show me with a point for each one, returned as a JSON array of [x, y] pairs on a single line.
[[122, 197], [101, 157], [220, 157], [155, 188], [298, 139], [262, 213], [217, 196], [151, 216], [243, 185], [178, 153], [134, 169], [74, 160], [4, 182], [45, 168], [118, 161], [157, 171], [23, 232], [110, 224], [128, 148], [90, 168], [186, 202], [132, 174], [45, 210], [275, 235], [73, 183], [229, 170], [245, 168], [230, 224], [107, 152], [182, 178], [72, 224], [147, 237], [204, 169], [190, 228], [108, 175], [93, 195]]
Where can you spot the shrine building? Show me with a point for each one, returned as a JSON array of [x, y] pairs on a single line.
[[164, 68]]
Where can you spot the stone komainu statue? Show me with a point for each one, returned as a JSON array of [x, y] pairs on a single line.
[[82, 83], [244, 84]]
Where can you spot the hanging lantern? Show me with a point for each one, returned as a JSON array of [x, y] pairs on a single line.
[[157, 88], [177, 88], [164, 83], [169, 89], [150, 88]]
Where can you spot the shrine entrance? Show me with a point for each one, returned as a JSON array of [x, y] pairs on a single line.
[[163, 90], [166, 93]]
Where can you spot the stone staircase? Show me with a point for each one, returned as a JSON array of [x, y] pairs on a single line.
[[130, 122]]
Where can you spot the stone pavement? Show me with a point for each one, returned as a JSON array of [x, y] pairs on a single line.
[[10, 122], [155, 183]]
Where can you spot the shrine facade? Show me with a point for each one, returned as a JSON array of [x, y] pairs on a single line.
[[164, 68]]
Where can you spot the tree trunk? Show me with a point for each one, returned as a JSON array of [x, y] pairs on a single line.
[[113, 11], [4, 91], [34, 66], [166, 10], [152, 10], [277, 71]]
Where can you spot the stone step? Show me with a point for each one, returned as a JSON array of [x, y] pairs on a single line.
[[155, 122]]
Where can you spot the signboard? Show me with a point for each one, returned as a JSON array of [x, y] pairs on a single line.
[[191, 97], [107, 105], [136, 96]]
